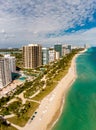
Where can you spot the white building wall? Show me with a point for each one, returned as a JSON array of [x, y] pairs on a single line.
[[12, 62], [52, 55], [5, 72], [45, 56], [57, 55]]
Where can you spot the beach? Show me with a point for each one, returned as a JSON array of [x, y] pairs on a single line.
[[51, 106]]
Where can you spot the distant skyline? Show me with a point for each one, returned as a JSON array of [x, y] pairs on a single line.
[[47, 22]]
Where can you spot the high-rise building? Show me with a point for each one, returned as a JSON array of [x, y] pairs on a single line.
[[45, 56], [69, 47], [32, 56], [12, 62], [86, 46], [5, 72], [64, 50], [58, 48], [52, 54]]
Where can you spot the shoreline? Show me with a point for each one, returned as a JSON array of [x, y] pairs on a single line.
[[59, 111], [52, 105]]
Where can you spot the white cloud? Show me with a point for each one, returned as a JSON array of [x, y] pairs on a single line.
[[2, 31], [31, 20], [81, 37]]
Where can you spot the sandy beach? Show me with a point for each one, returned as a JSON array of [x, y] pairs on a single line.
[[50, 108]]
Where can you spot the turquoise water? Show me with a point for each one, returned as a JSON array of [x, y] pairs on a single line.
[[22, 78], [79, 112]]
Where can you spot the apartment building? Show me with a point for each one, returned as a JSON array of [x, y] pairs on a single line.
[[32, 56], [12, 62], [5, 72], [52, 54], [58, 48], [45, 56]]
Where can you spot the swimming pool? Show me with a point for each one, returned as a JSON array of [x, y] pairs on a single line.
[[22, 78]]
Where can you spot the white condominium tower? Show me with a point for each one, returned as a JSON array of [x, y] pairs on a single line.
[[32, 56], [12, 62], [52, 55], [5, 72], [45, 56]]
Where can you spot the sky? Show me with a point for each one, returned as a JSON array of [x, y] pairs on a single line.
[[47, 22]]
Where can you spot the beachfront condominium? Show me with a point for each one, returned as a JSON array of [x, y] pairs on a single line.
[[5, 72], [32, 56], [12, 62], [58, 48], [69, 47], [64, 50], [52, 54], [45, 56]]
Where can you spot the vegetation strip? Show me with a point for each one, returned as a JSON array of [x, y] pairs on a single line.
[[44, 83]]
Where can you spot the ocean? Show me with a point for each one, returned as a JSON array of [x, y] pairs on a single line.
[[79, 112]]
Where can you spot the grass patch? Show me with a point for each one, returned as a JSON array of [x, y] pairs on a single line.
[[51, 87], [22, 120], [55, 73], [61, 74], [45, 92], [2, 127]]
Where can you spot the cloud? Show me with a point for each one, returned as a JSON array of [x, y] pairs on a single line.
[[34, 20], [77, 38]]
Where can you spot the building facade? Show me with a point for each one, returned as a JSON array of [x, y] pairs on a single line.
[[64, 52], [69, 47], [66, 49], [32, 56], [57, 55], [52, 54], [58, 48], [5, 72], [12, 62], [45, 56]]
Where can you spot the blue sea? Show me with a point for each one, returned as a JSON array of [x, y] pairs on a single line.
[[79, 111]]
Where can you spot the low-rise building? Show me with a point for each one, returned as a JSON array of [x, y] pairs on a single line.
[[57, 55]]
